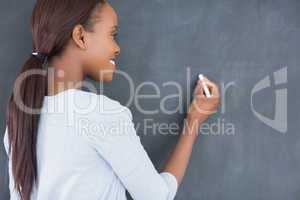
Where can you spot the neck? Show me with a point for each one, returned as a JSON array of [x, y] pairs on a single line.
[[64, 73]]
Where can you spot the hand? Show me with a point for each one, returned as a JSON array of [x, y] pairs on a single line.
[[201, 106]]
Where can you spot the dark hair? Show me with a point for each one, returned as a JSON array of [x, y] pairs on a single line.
[[52, 24]]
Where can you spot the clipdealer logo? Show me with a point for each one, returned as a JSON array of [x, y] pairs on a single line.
[[279, 122]]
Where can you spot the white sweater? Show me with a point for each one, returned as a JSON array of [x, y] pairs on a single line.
[[88, 149]]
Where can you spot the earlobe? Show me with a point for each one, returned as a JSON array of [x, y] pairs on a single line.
[[78, 36]]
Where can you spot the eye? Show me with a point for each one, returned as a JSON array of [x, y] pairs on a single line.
[[114, 34]]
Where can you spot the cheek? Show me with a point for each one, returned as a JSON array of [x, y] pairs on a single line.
[[96, 47], [94, 50], [98, 53]]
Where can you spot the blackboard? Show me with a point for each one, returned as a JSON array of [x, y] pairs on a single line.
[[250, 148]]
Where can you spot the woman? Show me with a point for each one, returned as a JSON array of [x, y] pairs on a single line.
[[50, 155]]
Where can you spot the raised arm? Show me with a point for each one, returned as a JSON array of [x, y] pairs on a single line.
[[198, 112]]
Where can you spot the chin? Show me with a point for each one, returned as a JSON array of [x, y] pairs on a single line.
[[105, 78], [108, 78]]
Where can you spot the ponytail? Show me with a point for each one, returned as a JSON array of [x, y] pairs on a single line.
[[23, 124]]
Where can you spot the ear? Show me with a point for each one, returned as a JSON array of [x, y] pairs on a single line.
[[79, 36]]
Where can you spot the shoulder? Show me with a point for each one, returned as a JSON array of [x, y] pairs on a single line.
[[99, 106], [105, 120]]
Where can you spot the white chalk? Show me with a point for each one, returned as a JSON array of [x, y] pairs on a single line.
[[206, 90]]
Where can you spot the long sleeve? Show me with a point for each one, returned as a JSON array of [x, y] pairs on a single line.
[[117, 142]]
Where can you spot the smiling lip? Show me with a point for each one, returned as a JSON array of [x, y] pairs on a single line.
[[113, 62]]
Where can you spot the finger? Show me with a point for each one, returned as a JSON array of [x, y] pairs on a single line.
[[199, 108], [205, 83], [205, 79], [199, 91], [213, 89], [209, 84]]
